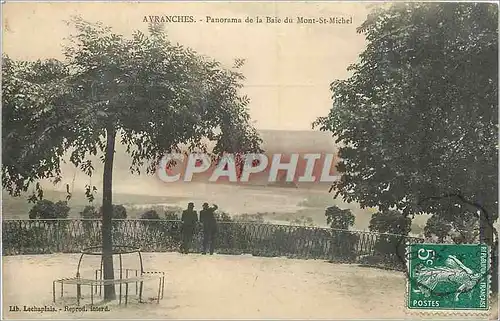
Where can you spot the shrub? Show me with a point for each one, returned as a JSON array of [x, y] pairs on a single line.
[[233, 238], [89, 212], [45, 209], [172, 216], [390, 247], [173, 213], [272, 242], [343, 246], [162, 231], [437, 227], [150, 215], [227, 234], [390, 222], [338, 218], [460, 228], [119, 212]]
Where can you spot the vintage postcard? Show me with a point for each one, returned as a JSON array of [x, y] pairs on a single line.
[[249, 160]]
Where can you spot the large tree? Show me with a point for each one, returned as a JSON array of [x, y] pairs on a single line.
[[156, 96], [417, 119]]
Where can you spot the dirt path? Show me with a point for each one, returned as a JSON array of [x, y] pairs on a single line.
[[219, 286]]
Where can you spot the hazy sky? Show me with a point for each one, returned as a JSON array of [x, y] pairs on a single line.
[[288, 66]]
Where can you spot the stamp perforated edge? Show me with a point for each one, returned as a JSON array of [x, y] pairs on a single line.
[[470, 313]]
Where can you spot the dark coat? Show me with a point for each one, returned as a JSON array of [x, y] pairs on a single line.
[[189, 218], [207, 217]]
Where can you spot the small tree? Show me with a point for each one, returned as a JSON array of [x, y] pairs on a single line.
[[151, 94], [338, 218], [415, 129], [343, 243]]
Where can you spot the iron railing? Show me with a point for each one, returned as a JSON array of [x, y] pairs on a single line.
[[71, 235]]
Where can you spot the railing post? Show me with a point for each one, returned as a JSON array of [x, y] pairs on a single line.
[[57, 231], [21, 236]]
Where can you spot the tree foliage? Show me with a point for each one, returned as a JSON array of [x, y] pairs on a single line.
[[157, 96], [119, 212], [417, 119], [46, 209], [463, 228], [32, 139], [150, 215], [89, 212], [390, 222], [338, 218]]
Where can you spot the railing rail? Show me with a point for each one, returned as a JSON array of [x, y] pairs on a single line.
[[71, 235]]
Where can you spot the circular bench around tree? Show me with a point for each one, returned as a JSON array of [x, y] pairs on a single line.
[[126, 276]]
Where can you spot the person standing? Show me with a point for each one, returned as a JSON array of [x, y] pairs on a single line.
[[207, 217], [189, 219]]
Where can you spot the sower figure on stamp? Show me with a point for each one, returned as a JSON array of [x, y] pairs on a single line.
[[207, 217], [189, 219]]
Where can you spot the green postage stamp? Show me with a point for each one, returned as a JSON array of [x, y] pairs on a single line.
[[448, 276]]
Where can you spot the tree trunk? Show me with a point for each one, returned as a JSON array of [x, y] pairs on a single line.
[[107, 215]]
